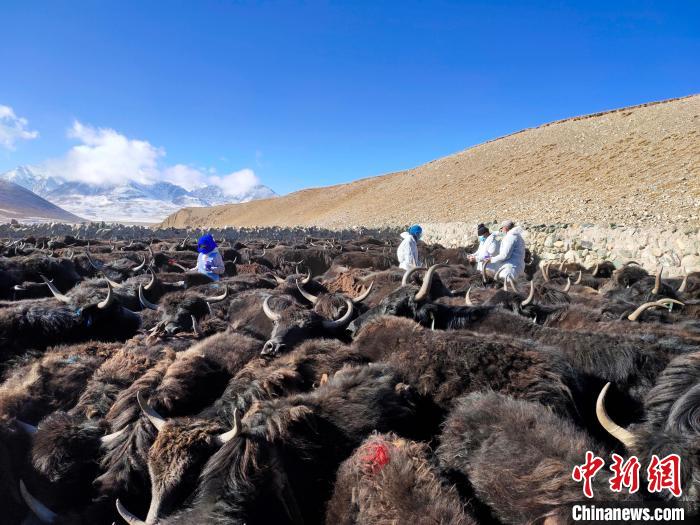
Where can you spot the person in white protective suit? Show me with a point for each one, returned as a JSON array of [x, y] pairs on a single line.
[[407, 252], [489, 246], [510, 261]]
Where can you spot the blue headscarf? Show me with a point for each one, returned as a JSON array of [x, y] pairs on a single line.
[[206, 243], [416, 231]]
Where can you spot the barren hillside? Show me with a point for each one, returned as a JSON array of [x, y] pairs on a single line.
[[634, 166], [19, 203]]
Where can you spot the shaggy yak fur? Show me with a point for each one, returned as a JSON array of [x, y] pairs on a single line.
[[445, 365], [390, 480], [517, 457], [291, 447]]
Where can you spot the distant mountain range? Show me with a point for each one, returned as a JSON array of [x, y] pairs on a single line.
[[124, 202], [20, 203]]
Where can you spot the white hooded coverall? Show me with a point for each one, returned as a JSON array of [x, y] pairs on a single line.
[[490, 246], [510, 260], [407, 252]]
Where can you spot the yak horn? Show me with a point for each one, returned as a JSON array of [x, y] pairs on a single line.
[[422, 294], [228, 436], [217, 298], [145, 302], [269, 312], [408, 273], [483, 274], [114, 284], [92, 263], [561, 266], [153, 416], [153, 280], [308, 296], [128, 516], [667, 301], [621, 434], [195, 326], [568, 285], [467, 299], [364, 295], [29, 429], [140, 266], [580, 276], [635, 315], [344, 320], [109, 300], [279, 279], [595, 270], [530, 296], [684, 285], [512, 284], [306, 279], [40, 510], [657, 282], [58, 295], [176, 265], [111, 437]]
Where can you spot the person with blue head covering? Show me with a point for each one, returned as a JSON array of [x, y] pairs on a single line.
[[209, 261], [407, 252]]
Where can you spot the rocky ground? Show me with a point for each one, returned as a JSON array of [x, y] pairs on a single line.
[[637, 166]]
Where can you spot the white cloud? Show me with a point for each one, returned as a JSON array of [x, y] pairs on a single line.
[[236, 183], [13, 128], [105, 156]]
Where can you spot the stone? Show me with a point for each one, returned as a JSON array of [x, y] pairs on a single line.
[[691, 263], [559, 244], [549, 241], [571, 256]]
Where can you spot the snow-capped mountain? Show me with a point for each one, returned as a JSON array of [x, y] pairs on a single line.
[[125, 202]]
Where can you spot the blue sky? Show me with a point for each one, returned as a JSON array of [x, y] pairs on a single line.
[[316, 93]]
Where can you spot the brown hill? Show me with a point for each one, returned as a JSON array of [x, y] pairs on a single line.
[[635, 166], [22, 204]]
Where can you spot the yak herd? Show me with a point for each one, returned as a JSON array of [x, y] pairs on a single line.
[[318, 383]]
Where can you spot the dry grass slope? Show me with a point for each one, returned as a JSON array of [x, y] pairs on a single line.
[[635, 166]]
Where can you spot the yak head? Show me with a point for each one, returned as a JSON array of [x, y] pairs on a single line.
[[102, 317], [294, 324], [181, 311]]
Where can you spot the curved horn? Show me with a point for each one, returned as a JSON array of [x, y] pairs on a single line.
[[153, 280], [217, 298], [111, 437], [667, 301], [344, 320], [657, 281], [408, 273], [279, 279], [467, 299], [153, 416], [92, 263], [109, 300], [40, 510], [483, 274], [29, 429], [271, 314], [306, 279], [176, 265], [114, 284], [308, 296], [568, 285], [595, 270], [228, 436], [140, 266], [195, 326], [561, 266], [580, 276], [128, 516], [422, 294], [364, 295], [684, 285], [512, 284], [621, 434], [530, 296], [635, 315], [145, 302], [58, 295]]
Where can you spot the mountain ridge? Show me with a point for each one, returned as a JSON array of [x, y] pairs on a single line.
[[124, 202], [17, 202]]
